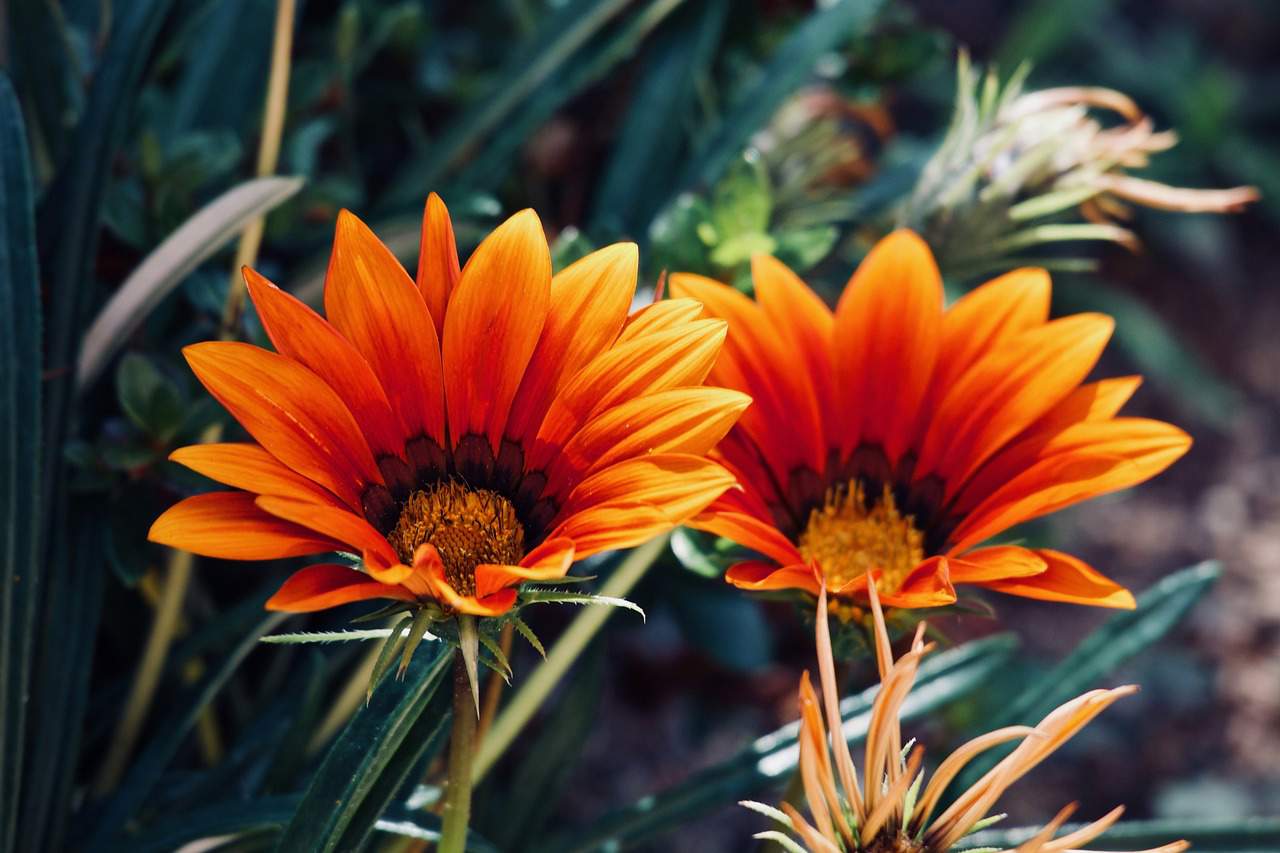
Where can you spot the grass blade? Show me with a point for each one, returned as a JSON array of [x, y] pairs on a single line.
[[19, 447], [789, 68], [367, 757]]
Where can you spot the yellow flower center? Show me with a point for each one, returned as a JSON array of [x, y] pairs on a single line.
[[847, 538], [467, 527]]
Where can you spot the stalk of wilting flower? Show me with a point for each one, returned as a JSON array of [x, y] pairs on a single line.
[[1020, 169], [893, 810]]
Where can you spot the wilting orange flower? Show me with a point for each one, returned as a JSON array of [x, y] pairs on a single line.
[[893, 810], [895, 437], [486, 426]]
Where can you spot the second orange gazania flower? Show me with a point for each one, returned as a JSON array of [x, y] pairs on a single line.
[[895, 437], [482, 426]]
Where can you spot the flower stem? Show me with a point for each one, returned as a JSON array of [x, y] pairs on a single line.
[[534, 690], [457, 804]]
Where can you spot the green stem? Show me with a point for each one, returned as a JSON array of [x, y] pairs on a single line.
[[457, 803], [533, 691]]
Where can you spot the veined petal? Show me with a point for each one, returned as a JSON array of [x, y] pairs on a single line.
[[680, 420], [668, 359], [438, 270], [611, 527], [999, 562], [887, 331], [496, 315], [1085, 461], [591, 299], [493, 604], [228, 525], [1007, 391], [678, 485], [987, 317], [928, 585], [303, 335], [748, 531], [660, 316], [321, 587], [291, 412], [333, 522], [249, 467], [371, 300], [785, 420], [756, 576], [803, 320], [1070, 579], [549, 561]]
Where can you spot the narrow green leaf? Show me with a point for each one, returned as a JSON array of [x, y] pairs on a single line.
[[423, 826], [241, 818], [327, 636], [71, 590], [19, 447], [499, 657], [591, 64], [771, 759], [655, 129], [47, 73], [530, 66], [390, 648], [367, 750], [71, 211], [781, 839], [789, 68], [166, 739]]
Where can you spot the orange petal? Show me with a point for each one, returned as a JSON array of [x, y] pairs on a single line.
[[1007, 391], [611, 527], [999, 562], [1070, 579], [248, 466], [1085, 461], [591, 299], [678, 485], [988, 316], [495, 316], [748, 531], [756, 575], [660, 316], [785, 420], [494, 604], [291, 412], [681, 420], [229, 526], [887, 330], [335, 523], [549, 561], [301, 334], [438, 270], [321, 587], [671, 358], [1097, 401], [802, 319], [370, 298], [928, 585]]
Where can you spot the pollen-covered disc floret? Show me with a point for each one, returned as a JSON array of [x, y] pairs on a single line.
[[849, 536], [468, 527]]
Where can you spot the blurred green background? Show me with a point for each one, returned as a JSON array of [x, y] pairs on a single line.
[[705, 130]]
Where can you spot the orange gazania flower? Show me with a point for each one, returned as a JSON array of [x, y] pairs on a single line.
[[894, 810], [484, 426], [895, 437]]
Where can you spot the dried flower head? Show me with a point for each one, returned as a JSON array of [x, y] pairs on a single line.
[[1019, 169], [892, 810]]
